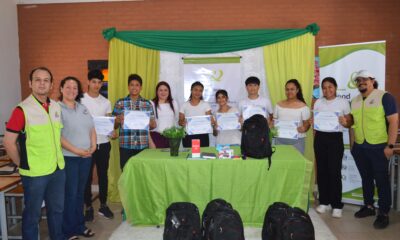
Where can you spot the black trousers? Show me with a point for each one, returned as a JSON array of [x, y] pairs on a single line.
[[100, 158], [204, 140], [329, 149], [125, 154], [374, 170]]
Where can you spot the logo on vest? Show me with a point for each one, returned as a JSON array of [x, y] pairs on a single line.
[[371, 102], [56, 115]]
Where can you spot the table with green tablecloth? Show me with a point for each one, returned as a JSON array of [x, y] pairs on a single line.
[[152, 180]]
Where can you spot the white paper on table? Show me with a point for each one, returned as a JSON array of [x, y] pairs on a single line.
[[251, 110], [104, 125], [198, 125], [137, 120], [287, 129], [326, 121], [228, 121]]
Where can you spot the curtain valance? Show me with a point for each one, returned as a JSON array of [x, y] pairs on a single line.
[[203, 42]]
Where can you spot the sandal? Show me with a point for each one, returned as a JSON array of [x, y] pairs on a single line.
[[88, 233], [73, 238]]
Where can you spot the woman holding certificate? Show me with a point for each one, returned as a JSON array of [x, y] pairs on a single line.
[[227, 128], [291, 117], [195, 114], [78, 140], [330, 114], [166, 111]]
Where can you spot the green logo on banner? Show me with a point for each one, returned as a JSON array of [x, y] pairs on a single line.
[[352, 84], [217, 75]]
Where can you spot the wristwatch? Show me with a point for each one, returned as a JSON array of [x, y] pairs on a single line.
[[391, 146]]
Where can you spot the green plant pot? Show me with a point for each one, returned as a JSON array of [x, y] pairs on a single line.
[[174, 146]]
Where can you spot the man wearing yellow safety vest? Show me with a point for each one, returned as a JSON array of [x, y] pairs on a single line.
[[375, 131], [35, 125]]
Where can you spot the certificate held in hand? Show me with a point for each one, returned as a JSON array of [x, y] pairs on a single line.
[[228, 121], [104, 125], [326, 121], [198, 125], [287, 129], [136, 120]]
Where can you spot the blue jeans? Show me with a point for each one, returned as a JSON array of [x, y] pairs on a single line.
[[77, 172], [49, 188], [374, 171]]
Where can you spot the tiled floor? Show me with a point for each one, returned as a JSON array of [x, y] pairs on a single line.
[[346, 228]]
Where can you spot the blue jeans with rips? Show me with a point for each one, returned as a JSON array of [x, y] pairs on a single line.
[[49, 188]]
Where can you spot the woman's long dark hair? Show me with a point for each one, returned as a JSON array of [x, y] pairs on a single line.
[[169, 98], [299, 94], [80, 92], [194, 85]]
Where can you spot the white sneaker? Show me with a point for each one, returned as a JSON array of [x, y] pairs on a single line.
[[337, 213], [322, 208]]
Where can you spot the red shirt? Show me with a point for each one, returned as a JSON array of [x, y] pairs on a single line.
[[16, 123]]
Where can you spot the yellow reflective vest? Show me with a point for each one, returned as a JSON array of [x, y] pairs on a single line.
[[369, 118], [43, 138]]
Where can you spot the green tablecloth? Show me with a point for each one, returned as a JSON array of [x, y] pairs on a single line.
[[152, 180]]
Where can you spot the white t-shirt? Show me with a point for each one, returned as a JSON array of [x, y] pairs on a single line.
[[292, 114], [229, 136], [192, 111], [99, 106], [166, 117], [335, 105], [260, 102]]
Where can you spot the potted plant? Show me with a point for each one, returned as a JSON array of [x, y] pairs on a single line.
[[174, 135]]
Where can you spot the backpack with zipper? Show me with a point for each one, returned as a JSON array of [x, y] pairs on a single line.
[[225, 224], [212, 207], [182, 222], [255, 141], [274, 217], [297, 226]]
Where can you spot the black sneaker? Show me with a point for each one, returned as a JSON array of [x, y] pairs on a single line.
[[365, 211], [89, 214], [381, 222], [106, 212]]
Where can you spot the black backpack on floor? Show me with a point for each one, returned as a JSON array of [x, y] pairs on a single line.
[[297, 226], [212, 207], [255, 138], [283, 222], [182, 222], [225, 224]]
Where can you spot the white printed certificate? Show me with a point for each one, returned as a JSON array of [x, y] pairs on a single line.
[[103, 125], [326, 121], [251, 110], [228, 121], [138, 120], [198, 125], [287, 129]]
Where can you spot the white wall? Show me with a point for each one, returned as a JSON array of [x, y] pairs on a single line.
[[10, 86]]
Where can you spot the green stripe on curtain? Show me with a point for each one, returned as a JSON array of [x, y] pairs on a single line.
[[203, 42], [289, 59], [125, 59], [213, 60]]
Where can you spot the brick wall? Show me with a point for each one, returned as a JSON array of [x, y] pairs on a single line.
[[64, 36]]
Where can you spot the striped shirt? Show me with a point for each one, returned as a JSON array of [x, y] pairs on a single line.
[[133, 139]]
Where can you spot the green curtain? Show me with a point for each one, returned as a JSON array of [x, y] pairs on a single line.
[[125, 59], [293, 58], [203, 42]]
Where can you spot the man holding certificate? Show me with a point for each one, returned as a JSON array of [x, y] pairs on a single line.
[[331, 114], [100, 109], [134, 117], [254, 103]]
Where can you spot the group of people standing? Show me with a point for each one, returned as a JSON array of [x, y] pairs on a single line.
[[56, 155]]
